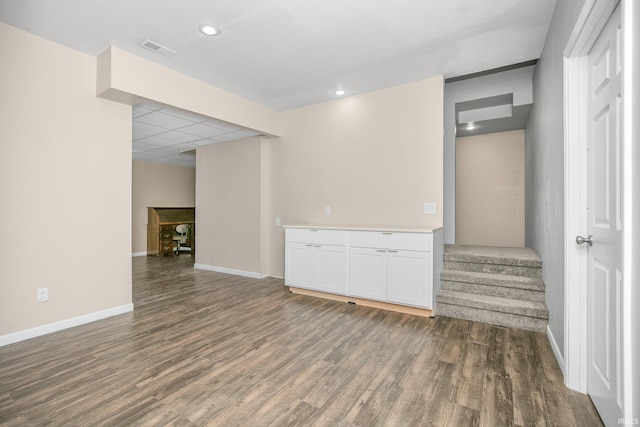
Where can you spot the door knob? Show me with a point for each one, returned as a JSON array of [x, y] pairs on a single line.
[[588, 240]]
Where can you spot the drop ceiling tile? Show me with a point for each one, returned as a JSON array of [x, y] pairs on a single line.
[[204, 141], [146, 129], [223, 125], [186, 115], [139, 147], [158, 142], [178, 137], [231, 136], [183, 157], [167, 121], [203, 131], [182, 160], [144, 157], [153, 142], [185, 147], [149, 105], [247, 133], [158, 153], [140, 111]]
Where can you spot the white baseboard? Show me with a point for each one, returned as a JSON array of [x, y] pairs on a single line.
[[144, 253], [556, 349], [233, 271], [63, 324]]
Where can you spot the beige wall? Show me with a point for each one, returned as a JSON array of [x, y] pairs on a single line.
[[125, 77], [228, 205], [490, 189], [375, 159], [65, 168], [158, 185]]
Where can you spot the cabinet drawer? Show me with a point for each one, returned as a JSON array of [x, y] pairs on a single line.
[[319, 237], [166, 232], [389, 240]]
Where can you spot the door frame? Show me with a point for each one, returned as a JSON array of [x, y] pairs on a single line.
[[589, 24]]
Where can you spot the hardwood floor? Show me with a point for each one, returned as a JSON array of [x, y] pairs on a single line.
[[204, 348]]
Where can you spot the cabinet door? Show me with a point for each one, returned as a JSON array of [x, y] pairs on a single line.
[[367, 271], [300, 265], [409, 278], [331, 263]]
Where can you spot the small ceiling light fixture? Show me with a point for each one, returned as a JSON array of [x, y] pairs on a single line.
[[339, 92], [208, 30], [470, 126]]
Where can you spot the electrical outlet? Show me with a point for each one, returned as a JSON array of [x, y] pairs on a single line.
[[42, 295], [278, 221], [327, 210], [429, 208]]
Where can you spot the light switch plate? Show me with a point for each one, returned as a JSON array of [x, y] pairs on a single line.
[[327, 210], [278, 221]]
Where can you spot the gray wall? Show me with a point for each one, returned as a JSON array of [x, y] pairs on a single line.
[[544, 158]]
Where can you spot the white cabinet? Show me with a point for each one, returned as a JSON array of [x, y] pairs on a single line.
[[331, 273], [397, 267], [391, 267], [301, 265], [313, 264], [409, 278], [367, 272]]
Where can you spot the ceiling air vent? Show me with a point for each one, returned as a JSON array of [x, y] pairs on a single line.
[[157, 48]]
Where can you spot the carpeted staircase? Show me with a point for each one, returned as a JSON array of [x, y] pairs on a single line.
[[499, 286]]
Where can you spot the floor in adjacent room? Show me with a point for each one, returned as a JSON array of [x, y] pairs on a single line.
[[204, 348]]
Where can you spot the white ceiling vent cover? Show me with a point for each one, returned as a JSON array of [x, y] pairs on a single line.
[[157, 48]]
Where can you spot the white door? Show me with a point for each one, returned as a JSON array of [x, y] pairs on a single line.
[[604, 311]]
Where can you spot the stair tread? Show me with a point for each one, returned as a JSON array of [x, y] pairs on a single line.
[[507, 305], [492, 279], [524, 257], [508, 320]]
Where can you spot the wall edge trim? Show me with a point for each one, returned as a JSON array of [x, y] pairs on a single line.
[[556, 349], [232, 271], [63, 324]]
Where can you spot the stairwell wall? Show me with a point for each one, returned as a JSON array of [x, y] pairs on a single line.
[[544, 156]]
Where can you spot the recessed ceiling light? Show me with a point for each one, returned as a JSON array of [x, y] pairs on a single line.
[[470, 126], [339, 92], [208, 30]]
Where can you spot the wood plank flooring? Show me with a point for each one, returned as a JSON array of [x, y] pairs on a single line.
[[204, 348]]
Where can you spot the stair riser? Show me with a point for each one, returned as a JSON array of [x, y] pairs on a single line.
[[475, 259], [492, 317], [517, 282], [494, 269], [468, 301], [494, 291]]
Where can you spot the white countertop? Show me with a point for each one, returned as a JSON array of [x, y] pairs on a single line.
[[386, 229]]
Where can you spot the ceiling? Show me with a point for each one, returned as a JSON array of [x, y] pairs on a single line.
[[286, 54], [163, 134]]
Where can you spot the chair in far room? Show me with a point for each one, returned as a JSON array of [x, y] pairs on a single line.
[[181, 237]]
